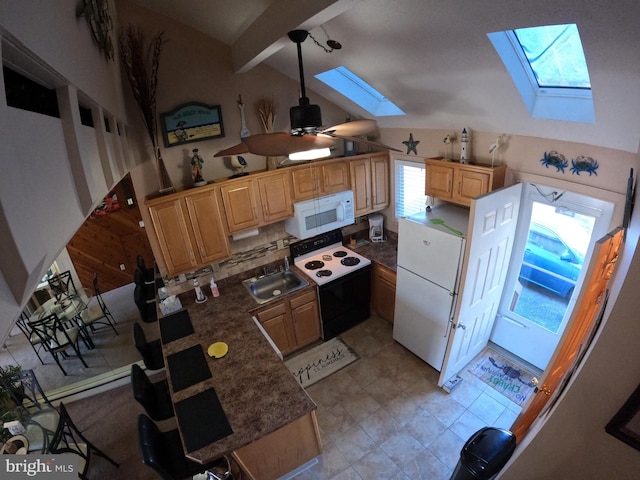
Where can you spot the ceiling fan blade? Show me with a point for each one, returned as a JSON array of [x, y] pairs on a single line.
[[356, 127], [235, 150], [281, 143], [364, 141]]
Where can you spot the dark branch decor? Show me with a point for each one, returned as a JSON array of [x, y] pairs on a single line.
[[140, 62], [625, 425]]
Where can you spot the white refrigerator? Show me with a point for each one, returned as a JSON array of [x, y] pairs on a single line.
[[428, 275]]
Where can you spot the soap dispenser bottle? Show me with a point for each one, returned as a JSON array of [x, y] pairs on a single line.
[[214, 288]]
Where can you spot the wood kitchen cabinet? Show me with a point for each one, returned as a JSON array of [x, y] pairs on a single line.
[[276, 196], [322, 178], [257, 201], [370, 183], [459, 183], [383, 291], [189, 230], [292, 323], [240, 200]]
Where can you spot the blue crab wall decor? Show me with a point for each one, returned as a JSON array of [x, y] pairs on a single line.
[[554, 159], [584, 164]]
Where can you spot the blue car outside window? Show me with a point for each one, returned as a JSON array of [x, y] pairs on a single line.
[[549, 262]]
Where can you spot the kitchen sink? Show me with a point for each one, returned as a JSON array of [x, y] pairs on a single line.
[[268, 287]]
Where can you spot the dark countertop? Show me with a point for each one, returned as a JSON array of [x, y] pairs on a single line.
[[384, 253], [256, 390]]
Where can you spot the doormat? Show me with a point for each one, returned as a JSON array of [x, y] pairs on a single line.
[[313, 365], [511, 380]]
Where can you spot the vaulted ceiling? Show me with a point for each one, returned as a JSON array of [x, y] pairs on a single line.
[[433, 58]]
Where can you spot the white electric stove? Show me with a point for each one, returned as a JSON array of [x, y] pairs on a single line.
[[324, 258], [343, 279]]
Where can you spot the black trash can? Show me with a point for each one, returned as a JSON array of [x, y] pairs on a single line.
[[484, 454]]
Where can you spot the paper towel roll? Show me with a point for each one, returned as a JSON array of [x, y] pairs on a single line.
[[246, 234]]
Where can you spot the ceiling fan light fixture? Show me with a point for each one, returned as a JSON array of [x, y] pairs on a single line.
[[309, 154]]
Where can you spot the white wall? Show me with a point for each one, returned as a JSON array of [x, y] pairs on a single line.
[[54, 169]]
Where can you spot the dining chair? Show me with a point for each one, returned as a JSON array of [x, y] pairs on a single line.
[[57, 338], [151, 351], [154, 397], [39, 416], [34, 340], [68, 439], [25, 390], [96, 313], [62, 286], [162, 451]]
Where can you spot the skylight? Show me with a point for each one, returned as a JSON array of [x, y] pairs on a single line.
[[358, 91], [555, 55], [548, 67]]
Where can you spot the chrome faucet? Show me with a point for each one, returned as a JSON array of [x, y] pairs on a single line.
[[286, 264], [268, 270]]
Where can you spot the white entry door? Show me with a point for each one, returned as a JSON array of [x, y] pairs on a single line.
[[493, 219]]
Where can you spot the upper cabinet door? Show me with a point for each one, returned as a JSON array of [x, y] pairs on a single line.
[[276, 196], [173, 235], [241, 205], [460, 183], [210, 237], [335, 177], [370, 183], [380, 182], [439, 182], [306, 183], [361, 185], [314, 180]]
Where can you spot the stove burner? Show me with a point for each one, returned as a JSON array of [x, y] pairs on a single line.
[[326, 257], [323, 273], [339, 253], [350, 261], [314, 265]]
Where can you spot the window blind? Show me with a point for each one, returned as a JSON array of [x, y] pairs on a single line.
[[410, 184]]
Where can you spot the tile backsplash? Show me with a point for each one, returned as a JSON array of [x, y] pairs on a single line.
[[269, 246]]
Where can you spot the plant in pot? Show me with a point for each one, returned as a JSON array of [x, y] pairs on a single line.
[[8, 408]]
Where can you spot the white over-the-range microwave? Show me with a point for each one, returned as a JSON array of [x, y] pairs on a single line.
[[320, 215]]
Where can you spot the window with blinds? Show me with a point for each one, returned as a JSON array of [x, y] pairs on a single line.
[[410, 182]]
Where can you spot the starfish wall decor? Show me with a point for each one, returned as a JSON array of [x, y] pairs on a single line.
[[411, 144]]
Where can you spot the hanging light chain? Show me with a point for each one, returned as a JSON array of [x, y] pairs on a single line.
[[331, 43]]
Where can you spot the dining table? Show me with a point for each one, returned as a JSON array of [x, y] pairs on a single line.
[[232, 393], [68, 310]]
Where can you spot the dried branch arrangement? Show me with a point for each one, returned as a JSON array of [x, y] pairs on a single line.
[[140, 62], [267, 109]]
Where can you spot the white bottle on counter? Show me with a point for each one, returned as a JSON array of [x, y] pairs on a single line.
[[199, 295], [214, 288]]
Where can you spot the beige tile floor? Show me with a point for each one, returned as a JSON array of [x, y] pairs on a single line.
[[384, 416]]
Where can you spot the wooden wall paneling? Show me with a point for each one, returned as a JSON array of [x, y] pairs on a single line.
[[104, 242]]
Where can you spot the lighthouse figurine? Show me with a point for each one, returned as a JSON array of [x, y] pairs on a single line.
[[465, 147]]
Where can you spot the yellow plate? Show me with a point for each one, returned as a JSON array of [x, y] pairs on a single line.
[[218, 349]]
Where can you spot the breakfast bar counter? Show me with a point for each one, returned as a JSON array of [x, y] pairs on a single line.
[[272, 427]]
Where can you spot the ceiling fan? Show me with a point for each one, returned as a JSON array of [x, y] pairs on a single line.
[[307, 132]]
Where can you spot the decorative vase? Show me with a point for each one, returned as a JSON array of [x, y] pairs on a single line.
[[165, 182], [272, 163]]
